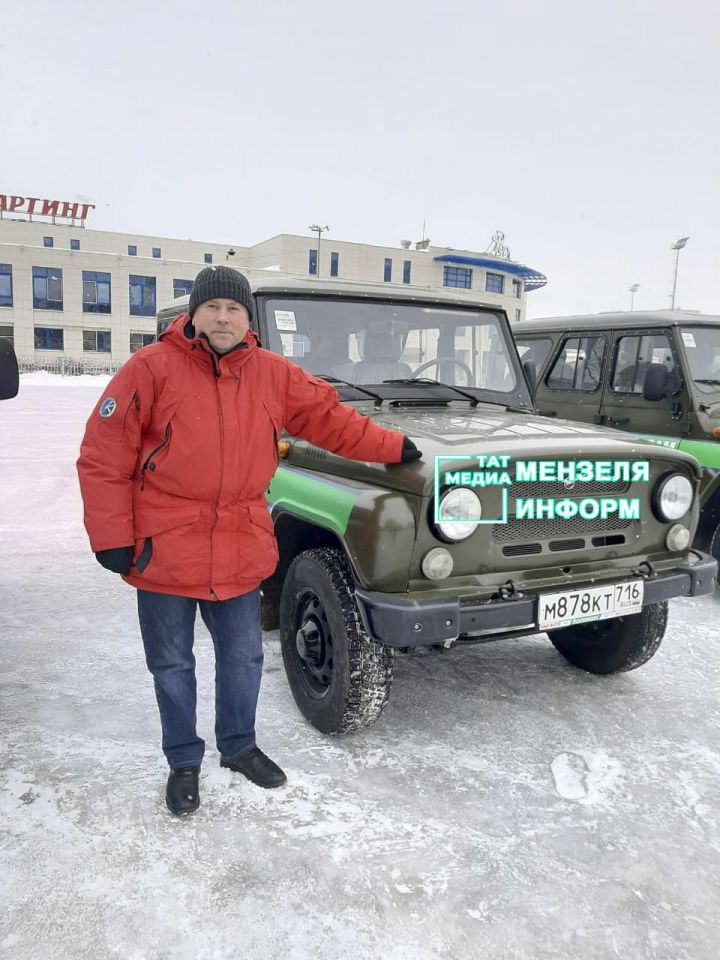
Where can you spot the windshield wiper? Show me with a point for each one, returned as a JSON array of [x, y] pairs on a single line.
[[436, 383], [346, 383], [715, 382]]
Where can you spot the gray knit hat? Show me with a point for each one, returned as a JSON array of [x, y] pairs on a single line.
[[220, 282]]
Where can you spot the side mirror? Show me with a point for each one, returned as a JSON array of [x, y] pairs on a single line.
[[9, 376], [530, 372], [655, 382]]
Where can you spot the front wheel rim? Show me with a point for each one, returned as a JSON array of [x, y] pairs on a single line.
[[313, 645]]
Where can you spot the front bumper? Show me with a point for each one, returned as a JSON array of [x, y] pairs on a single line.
[[405, 622]]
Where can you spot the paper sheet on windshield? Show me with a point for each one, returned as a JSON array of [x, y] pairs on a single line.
[[285, 320], [293, 345]]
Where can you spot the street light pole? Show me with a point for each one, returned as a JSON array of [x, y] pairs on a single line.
[[319, 231], [677, 247], [633, 290]]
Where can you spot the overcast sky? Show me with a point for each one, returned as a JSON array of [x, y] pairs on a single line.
[[588, 133]]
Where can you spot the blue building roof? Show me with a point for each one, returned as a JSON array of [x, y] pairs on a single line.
[[533, 279]]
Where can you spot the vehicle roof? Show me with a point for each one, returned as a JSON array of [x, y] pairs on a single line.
[[264, 281], [624, 320]]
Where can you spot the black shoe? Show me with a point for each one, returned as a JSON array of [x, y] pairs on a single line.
[[183, 791], [256, 767]]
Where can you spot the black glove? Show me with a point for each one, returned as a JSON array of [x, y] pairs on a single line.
[[409, 451], [117, 559]]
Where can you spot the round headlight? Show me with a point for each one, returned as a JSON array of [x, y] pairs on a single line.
[[674, 497], [458, 514], [437, 563], [678, 537]]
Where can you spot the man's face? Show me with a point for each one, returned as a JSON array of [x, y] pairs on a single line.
[[224, 323]]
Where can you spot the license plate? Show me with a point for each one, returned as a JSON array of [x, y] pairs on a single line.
[[595, 603]]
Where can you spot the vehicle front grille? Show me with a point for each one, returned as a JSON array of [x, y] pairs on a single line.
[[532, 530], [556, 488], [522, 549], [557, 546]]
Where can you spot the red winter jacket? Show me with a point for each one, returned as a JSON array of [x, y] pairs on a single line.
[[181, 447]]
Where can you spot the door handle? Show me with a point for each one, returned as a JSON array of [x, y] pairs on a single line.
[[547, 413], [620, 421]]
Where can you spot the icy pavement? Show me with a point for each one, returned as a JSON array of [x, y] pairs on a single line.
[[505, 806]]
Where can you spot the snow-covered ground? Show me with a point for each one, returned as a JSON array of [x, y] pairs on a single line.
[[505, 806]]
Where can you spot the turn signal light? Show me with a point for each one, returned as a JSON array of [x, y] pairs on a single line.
[[716, 433], [283, 449]]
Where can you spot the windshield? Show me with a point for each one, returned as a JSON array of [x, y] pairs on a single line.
[[372, 343], [702, 348]]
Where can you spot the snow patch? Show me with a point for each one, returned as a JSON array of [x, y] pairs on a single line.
[[43, 378], [586, 777]]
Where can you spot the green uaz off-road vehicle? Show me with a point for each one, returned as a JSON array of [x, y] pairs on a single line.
[[655, 373], [511, 524]]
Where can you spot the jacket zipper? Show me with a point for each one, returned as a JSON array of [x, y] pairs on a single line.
[[153, 453], [216, 373], [133, 405], [276, 435]]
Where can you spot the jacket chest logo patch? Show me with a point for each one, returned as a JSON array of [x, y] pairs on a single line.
[[107, 408]]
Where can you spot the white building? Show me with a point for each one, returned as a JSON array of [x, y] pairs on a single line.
[[73, 294]]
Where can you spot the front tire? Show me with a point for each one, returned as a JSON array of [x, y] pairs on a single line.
[[714, 545], [340, 678], [615, 645]]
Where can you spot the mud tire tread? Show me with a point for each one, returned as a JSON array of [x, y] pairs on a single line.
[[627, 642], [370, 664]]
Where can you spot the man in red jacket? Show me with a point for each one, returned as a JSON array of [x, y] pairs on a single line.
[[173, 469]]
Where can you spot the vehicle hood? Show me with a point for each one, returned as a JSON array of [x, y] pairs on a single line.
[[482, 431]]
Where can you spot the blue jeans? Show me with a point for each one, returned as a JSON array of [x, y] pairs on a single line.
[[167, 626]]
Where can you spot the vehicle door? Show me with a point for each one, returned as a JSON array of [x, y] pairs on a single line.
[[571, 385], [9, 376], [700, 345], [624, 406]]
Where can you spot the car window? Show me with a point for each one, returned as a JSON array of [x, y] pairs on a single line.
[[702, 348], [367, 342], [578, 365], [534, 349], [634, 355]]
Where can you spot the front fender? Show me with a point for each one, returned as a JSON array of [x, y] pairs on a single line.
[[376, 527]]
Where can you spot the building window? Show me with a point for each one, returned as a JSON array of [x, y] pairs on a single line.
[[96, 292], [156, 253], [48, 338], [494, 283], [517, 289], [208, 258], [6, 291], [518, 316], [48, 241], [8, 333], [96, 341], [387, 272], [407, 267], [47, 290], [74, 244], [140, 340], [182, 287], [142, 296], [457, 277], [334, 264], [312, 262], [132, 250]]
